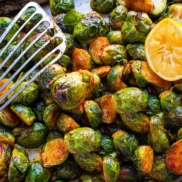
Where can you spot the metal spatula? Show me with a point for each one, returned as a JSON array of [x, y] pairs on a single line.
[[59, 50]]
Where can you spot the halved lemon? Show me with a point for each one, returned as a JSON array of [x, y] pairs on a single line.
[[163, 47]]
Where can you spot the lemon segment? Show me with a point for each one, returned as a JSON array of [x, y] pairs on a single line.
[[163, 47]]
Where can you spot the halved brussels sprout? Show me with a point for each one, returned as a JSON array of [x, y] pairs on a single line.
[[173, 158], [18, 164], [99, 177], [172, 121], [28, 96], [125, 143], [102, 71], [107, 105], [65, 123], [82, 140], [137, 122], [157, 137], [90, 162], [169, 100], [8, 118], [159, 171], [5, 156], [25, 113], [54, 152], [113, 54], [111, 168], [114, 78], [115, 37], [96, 49], [6, 137], [69, 170], [31, 137], [136, 51], [131, 99], [47, 97], [65, 61], [49, 75], [136, 27], [102, 6], [129, 173], [71, 18], [89, 27], [81, 59], [4, 23], [143, 159], [118, 16], [92, 114], [50, 115], [37, 172], [61, 6]]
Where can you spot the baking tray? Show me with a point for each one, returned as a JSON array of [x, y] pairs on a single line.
[[82, 6]]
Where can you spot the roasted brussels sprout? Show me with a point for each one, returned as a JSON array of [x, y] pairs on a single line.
[[89, 27], [28, 96], [71, 18], [8, 118], [125, 143], [173, 158], [96, 49], [4, 23], [39, 43], [107, 143], [118, 16], [54, 152], [17, 52], [129, 173], [65, 61], [159, 171], [70, 90], [157, 137], [26, 15], [65, 123], [25, 113], [111, 168], [107, 105], [6, 137], [115, 37], [99, 177], [154, 103], [93, 159], [137, 122], [169, 100], [143, 159], [50, 115], [18, 164], [102, 6], [179, 134], [92, 114], [81, 59], [60, 6], [69, 170], [50, 74], [82, 140], [37, 172], [114, 78], [133, 99], [136, 51], [136, 27], [31, 137], [5, 156], [113, 54]]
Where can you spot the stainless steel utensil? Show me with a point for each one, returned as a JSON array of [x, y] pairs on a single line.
[[57, 34]]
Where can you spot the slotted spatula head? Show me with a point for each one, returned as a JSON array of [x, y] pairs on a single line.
[[34, 15]]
